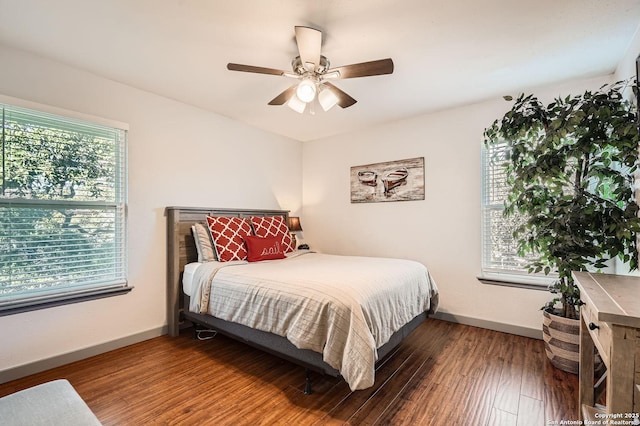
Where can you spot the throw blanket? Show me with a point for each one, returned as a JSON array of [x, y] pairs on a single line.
[[344, 307]]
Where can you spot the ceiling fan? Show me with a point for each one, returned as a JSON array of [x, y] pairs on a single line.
[[313, 72]]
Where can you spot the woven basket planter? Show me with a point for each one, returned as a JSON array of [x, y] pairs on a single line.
[[562, 341]]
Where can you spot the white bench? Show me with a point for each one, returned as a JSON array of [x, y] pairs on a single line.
[[53, 403]]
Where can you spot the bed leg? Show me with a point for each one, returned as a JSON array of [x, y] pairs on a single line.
[[195, 332], [307, 383]]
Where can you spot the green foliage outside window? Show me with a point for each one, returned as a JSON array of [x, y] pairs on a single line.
[[60, 205]]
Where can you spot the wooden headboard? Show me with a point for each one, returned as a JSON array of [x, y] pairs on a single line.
[[181, 249]]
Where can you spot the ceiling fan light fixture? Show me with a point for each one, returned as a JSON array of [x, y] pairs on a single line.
[[296, 104], [306, 90], [312, 71], [327, 99]]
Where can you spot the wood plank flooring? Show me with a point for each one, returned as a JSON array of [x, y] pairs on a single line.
[[442, 374]]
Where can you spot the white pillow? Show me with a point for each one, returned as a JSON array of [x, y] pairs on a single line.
[[203, 243]]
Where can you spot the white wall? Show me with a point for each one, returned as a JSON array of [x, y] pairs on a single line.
[[443, 231], [178, 155], [627, 66]]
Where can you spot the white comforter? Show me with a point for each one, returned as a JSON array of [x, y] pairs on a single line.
[[344, 307]]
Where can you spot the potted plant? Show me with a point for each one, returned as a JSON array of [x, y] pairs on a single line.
[[570, 171]]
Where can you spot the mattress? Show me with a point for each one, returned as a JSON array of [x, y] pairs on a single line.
[[187, 277]]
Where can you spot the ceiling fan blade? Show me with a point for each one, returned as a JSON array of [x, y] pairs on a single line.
[[365, 69], [257, 70], [283, 97], [309, 42], [344, 100]]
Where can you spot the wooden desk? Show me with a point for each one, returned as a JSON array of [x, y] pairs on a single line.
[[610, 321]]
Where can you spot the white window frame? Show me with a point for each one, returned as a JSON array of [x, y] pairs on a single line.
[[63, 293], [511, 272]]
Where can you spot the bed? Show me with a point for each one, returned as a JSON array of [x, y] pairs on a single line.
[[339, 342]]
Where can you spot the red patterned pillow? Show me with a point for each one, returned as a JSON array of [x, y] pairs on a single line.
[[263, 248], [273, 226], [228, 237]]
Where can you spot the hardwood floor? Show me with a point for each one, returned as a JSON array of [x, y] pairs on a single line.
[[443, 374]]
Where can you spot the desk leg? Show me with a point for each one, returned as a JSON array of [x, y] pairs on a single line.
[[585, 391], [620, 378]]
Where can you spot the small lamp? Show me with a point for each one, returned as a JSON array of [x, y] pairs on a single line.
[[294, 226], [296, 104], [327, 98], [306, 90]]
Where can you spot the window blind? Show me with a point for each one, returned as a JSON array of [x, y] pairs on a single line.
[[62, 208], [499, 249]]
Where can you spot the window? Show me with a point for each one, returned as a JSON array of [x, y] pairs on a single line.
[[501, 263], [62, 210]]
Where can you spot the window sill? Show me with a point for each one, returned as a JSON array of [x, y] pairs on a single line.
[[530, 283], [59, 300]]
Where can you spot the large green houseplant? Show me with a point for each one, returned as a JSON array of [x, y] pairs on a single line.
[[570, 171]]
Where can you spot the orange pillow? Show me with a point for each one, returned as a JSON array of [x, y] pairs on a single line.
[[267, 248], [228, 235], [273, 226]]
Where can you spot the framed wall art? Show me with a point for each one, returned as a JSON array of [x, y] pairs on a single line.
[[401, 180]]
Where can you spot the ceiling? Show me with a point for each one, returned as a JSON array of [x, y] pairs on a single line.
[[446, 52]]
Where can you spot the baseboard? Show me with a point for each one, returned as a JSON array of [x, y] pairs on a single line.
[[57, 361], [491, 325]]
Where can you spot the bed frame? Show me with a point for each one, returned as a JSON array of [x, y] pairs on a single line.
[[181, 250]]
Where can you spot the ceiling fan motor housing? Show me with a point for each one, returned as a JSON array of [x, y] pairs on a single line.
[[301, 69]]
